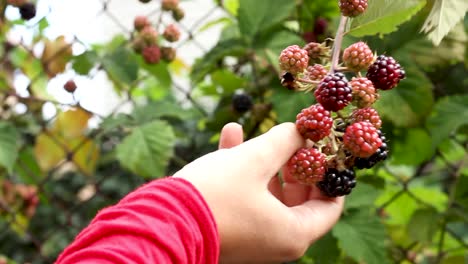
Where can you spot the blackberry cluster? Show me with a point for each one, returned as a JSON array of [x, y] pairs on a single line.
[[337, 183]]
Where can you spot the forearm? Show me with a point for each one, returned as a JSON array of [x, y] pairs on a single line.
[[165, 221]]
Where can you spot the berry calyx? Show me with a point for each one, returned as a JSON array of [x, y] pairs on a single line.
[[242, 102], [380, 155], [334, 92], [307, 166], [367, 114], [364, 93], [27, 11], [385, 73], [70, 86], [358, 56], [141, 22], [353, 8], [361, 139], [316, 51], [151, 54], [316, 72], [314, 122], [293, 59], [337, 183], [171, 33]]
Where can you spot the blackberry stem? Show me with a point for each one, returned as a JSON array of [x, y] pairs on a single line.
[[337, 44]]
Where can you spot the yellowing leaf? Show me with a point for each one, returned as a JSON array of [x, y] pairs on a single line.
[[72, 123], [56, 56], [47, 151]]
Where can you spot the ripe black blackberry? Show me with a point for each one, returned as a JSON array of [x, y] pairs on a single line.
[[380, 155], [334, 92], [337, 183], [385, 73], [27, 11], [242, 102]]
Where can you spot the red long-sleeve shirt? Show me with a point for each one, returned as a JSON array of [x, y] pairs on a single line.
[[165, 221]]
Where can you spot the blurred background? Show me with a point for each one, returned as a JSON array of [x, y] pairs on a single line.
[[100, 96]]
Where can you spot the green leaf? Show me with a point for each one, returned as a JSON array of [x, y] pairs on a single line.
[[412, 148], [461, 192], [227, 80], [448, 115], [260, 15], [210, 61], [83, 63], [384, 16], [408, 104], [288, 103], [8, 145], [121, 65], [325, 250], [147, 150], [445, 14], [159, 71], [362, 236], [277, 41], [364, 195], [423, 225]]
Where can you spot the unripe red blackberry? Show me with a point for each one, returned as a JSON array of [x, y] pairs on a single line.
[[361, 139], [334, 92], [316, 51], [168, 54], [293, 59], [169, 5], [140, 22], [70, 86], [352, 8], [380, 155], [367, 114], [151, 54], [314, 122], [149, 35], [358, 56], [27, 11], [316, 72], [364, 93], [307, 166], [171, 33], [385, 73], [178, 14], [242, 102], [337, 183]]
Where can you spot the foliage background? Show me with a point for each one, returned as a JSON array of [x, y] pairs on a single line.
[[58, 170]]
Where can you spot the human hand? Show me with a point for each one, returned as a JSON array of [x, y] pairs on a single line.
[[260, 219]]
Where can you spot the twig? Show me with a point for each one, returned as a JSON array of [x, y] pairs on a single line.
[[337, 44]]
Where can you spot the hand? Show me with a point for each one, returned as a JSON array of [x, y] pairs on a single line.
[[260, 219]]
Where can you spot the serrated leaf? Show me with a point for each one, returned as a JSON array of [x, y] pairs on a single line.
[[121, 66], [8, 145], [364, 195], [277, 41], [260, 15], [362, 236], [410, 102], [448, 115], [146, 151], [325, 250], [209, 63], [423, 225], [445, 14], [384, 16]]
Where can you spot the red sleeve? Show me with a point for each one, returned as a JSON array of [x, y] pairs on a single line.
[[165, 221]]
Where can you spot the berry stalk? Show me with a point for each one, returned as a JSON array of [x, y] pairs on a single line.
[[337, 44]]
